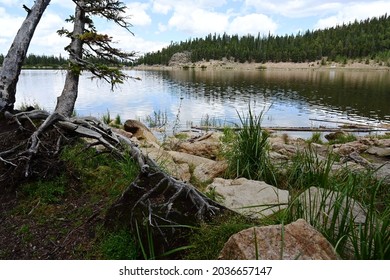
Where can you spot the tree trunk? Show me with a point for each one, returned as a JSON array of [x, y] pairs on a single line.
[[67, 99], [12, 65]]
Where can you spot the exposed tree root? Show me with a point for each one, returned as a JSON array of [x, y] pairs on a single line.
[[156, 206]]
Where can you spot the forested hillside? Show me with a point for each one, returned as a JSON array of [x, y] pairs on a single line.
[[368, 39], [44, 61]]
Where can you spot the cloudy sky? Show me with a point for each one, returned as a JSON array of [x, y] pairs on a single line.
[[156, 23]]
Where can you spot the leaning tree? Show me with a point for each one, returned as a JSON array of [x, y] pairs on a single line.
[[155, 203], [12, 64], [91, 51]]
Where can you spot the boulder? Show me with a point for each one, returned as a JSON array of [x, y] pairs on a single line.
[[384, 142], [253, 198], [319, 206], [140, 131], [179, 170], [297, 240], [207, 146], [335, 135], [382, 171], [379, 151], [284, 149], [350, 147], [206, 172], [192, 160], [122, 132], [203, 169]]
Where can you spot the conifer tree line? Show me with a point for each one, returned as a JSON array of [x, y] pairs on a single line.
[[366, 39], [49, 61]]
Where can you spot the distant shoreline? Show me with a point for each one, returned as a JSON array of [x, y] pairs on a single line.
[[229, 65]]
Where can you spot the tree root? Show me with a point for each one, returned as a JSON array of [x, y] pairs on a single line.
[[155, 204]]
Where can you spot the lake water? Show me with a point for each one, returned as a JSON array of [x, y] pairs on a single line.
[[297, 98]]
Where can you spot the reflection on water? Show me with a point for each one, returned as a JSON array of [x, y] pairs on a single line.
[[289, 98]]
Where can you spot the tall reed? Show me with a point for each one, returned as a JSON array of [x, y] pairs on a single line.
[[248, 151]]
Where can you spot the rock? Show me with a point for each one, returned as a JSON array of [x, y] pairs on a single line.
[[335, 135], [207, 146], [297, 240], [208, 171], [384, 142], [140, 131], [379, 151], [382, 171], [179, 170], [203, 169], [318, 206], [123, 132], [239, 194], [357, 158], [278, 145], [275, 156], [192, 160], [180, 58], [348, 148]]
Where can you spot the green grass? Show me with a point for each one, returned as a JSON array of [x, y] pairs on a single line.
[[49, 191], [342, 139], [157, 119], [209, 239], [106, 118], [315, 138], [89, 184], [344, 189], [119, 245], [24, 106], [247, 151]]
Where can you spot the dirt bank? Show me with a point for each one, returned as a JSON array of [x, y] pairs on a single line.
[[230, 65]]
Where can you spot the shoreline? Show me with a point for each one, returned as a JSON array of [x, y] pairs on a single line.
[[246, 66]]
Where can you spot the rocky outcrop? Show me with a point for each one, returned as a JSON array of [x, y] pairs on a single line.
[[180, 58], [297, 240], [253, 198]]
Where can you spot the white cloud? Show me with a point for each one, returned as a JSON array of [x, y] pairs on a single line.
[[197, 21], [295, 8], [137, 13], [10, 2], [252, 24], [355, 11], [162, 27], [70, 5], [9, 26], [127, 42], [161, 8]]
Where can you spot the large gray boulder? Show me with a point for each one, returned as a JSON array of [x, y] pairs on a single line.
[[297, 240], [326, 208], [253, 198]]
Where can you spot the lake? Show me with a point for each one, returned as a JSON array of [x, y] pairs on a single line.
[[288, 98]]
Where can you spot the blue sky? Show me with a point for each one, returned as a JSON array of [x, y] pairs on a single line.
[[158, 22]]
